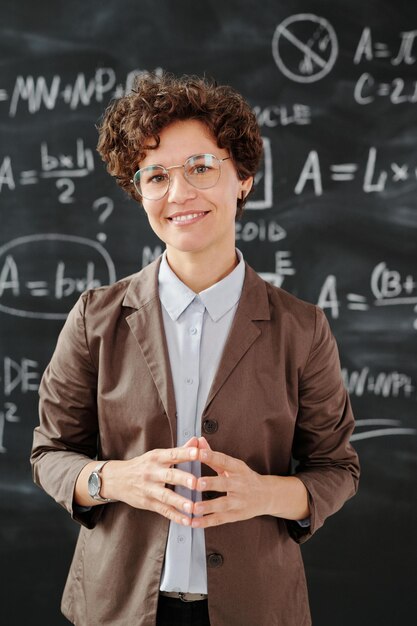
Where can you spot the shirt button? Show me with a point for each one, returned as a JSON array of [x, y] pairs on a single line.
[[181, 539], [193, 330], [214, 560], [189, 381], [186, 433], [210, 426]]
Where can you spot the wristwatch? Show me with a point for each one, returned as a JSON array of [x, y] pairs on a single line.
[[94, 483]]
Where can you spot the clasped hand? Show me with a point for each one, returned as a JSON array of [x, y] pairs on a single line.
[[146, 482]]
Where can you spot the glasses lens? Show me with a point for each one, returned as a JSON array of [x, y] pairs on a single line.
[[202, 170], [152, 182]]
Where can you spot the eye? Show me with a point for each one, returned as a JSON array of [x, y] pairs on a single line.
[[157, 179], [154, 176], [200, 169]]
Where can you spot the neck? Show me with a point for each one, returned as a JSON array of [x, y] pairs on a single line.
[[201, 273]]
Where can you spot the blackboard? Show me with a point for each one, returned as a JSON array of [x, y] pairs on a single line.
[[333, 220]]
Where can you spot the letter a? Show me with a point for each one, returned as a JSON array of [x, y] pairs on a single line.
[[6, 174], [9, 269], [311, 171], [364, 47]]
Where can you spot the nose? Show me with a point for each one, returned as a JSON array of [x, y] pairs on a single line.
[[180, 190]]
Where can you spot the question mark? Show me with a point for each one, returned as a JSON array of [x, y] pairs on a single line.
[[108, 205]]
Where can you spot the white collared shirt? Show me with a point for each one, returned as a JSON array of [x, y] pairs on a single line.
[[196, 327]]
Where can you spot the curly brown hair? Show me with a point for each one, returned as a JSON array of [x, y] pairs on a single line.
[[158, 100]]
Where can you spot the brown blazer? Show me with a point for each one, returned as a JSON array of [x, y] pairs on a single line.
[[278, 393]]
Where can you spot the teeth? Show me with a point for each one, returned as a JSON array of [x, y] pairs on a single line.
[[185, 218]]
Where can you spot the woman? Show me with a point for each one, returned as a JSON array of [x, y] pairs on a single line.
[[177, 397]]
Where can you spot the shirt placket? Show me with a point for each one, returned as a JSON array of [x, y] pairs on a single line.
[[188, 422]]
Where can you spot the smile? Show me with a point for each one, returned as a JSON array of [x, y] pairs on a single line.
[[187, 218]]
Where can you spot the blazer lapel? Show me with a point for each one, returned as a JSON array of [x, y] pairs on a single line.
[[146, 324], [253, 305]]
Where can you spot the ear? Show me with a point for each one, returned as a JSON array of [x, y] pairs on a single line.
[[245, 187]]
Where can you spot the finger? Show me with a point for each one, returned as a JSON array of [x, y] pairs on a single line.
[[171, 499], [213, 483], [191, 443], [177, 477], [170, 512], [173, 456], [203, 444], [218, 461], [211, 520], [218, 505]]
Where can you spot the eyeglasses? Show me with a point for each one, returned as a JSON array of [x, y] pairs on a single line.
[[200, 170]]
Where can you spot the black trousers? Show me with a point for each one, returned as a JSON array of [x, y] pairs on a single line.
[[173, 612]]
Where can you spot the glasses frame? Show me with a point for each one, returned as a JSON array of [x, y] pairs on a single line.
[[173, 167]]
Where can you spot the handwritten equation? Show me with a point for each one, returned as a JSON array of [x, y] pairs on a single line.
[[374, 178], [69, 266], [21, 376], [385, 385], [305, 49], [399, 91], [388, 288], [36, 93]]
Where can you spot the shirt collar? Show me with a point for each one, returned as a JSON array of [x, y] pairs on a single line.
[[218, 299]]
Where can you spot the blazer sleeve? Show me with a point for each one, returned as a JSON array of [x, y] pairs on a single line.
[[67, 437], [327, 463]]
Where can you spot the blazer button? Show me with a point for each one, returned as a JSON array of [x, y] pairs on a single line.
[[210, 426], [214, 560]]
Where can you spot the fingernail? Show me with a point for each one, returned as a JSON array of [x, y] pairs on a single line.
[[190, 482], [187, 507], [193, 453], [203, 484], [185, 521], [204, 455]]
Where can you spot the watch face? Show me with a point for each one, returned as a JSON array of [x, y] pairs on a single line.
[[94, 484]]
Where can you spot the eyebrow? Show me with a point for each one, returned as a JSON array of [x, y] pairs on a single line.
[[195, 154]]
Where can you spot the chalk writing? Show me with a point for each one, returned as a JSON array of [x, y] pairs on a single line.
[[149, 255], [22, 375], [262, 197], [385, 384], [282, 115], [389, 288], [390, 428], [62, 166], [61, 281], [8, 414], [367, 89], [271, 277], [260, 230], [6, 174], [106, 206], [367, 49], [374, 179], [305, 47], [37, 93], [68, 165], [283, 267]]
